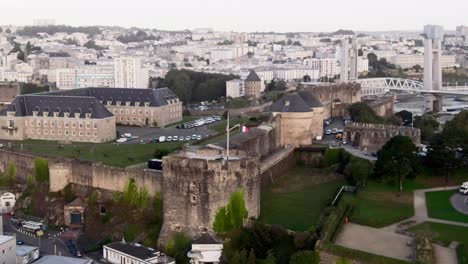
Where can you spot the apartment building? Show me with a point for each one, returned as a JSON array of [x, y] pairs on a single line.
[[122, 252], [235, 88], [130, 73], [326, 67], [410, 60], [48, 117], [137, 107]]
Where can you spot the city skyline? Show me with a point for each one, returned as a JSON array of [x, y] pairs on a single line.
[[242, 16]]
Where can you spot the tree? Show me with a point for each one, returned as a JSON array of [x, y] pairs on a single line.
[[21, 56], [271, 259], [239, 257], [428, 125], [361, 112], [9, 177], [305, 257], [417, 68], [231, 216], [28, 48], [372, 58], [359, 170], [41, 170], [442, 156], [406, 117], [178, 246], [306, 78], [396, 160]]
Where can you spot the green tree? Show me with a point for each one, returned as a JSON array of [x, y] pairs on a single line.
[[305, 257], [442, 156], [178, 246], [428, 125], [361, 112], [271, 259], [28, 48], [239, 257], [41, 170], [9, 177], [455, 132], [396, 160], [232, 215], [359, 170], [130, 192]]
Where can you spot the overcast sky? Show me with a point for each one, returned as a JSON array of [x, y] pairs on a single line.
[[243, 15]]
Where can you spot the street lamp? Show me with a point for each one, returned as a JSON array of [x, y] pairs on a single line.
[[227, 135]]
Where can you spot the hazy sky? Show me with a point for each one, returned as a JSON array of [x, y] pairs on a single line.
[[243, 15]]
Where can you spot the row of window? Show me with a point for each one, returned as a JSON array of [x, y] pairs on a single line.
[[45, 123], [59, 132]]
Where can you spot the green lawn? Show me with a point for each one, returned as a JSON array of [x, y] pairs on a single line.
[[381, 204], [121, 155], [297, 198], [438, 206], [445, 234]]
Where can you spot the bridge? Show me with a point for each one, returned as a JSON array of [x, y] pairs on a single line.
[[376, 86]]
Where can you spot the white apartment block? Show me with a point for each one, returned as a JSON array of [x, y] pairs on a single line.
[[362, 64], [235, 88], [410, 60], [326, 67], [66, 78], [130, 73]]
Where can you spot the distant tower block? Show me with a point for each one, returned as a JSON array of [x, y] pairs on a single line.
[[432, 57], [349, 60]]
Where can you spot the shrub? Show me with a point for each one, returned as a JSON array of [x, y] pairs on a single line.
[[305, 257], [232, 215], [424, 251], [333, 156], [41, 170], [178, 246]]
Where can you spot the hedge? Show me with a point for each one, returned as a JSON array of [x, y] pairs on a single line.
[[361, 256]]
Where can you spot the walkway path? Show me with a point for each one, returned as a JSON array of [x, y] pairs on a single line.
[[445, 255]]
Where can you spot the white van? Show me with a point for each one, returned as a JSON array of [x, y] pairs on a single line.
[[162, 138], [464, 188]]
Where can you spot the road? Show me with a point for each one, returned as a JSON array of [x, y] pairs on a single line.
[[47, 246], [332, 141]]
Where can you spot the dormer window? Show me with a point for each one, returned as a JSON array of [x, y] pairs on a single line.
[[77, 115], [35, 113], [118, 103], [11, 113], [66, 114], [45, 114], [88, 115], [109, 102], [127, 103], [56, 114], [137, 103], [146, 104]]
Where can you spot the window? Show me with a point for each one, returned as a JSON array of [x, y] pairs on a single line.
[[73, 125], [88, 125], [52, 132], [95, 134], [45, 131], [38, 132], [59, 132], [31, 123], [59, 123], [73, 133], [66, 124], [45, 123], [81, 125], [11, 124], [38, 124], [95, 126], [52, 124], [88, 134], [81, 134], [66, 132]]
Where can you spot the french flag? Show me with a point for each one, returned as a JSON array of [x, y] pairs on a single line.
[[244, 129]]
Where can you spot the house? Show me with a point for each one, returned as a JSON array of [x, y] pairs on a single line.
[[134, 253], [206, 249]]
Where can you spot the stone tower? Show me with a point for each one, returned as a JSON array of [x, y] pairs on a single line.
[[197, 182]]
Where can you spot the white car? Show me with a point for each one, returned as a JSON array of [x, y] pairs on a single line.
[[175, 138], [169, 138], [464, 188], [334, 131], [328, 132], [162, 138], [121, 140]]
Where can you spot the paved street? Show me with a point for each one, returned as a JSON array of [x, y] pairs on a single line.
[[47, 246]]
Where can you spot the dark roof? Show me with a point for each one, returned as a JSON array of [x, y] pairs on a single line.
[[139, 251], [301, 101], [155, 97], [207, 239], [25, 105], [252, 77], [58, 54]]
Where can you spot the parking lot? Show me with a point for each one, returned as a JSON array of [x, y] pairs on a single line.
[[148, 133]]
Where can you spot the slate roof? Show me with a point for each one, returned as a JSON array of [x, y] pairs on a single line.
[[139, 251], [252, 77], [297, 102], [155, 97], [25, 105], [207, 239]]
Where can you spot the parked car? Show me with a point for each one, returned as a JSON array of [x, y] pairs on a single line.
[[162, 138], [328, 132], [175, 138], [199, 137], [464, 188], [169, 138], [334, 131], [187, 138], [122, 140], [194, 137]]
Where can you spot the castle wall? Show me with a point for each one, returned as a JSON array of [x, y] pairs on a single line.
[[300, 128], [86, 173], [195, 188], [371, 137], [335, 98], [382, 106]]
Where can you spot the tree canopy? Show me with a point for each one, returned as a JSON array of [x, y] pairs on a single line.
[[231, 216], [41, 170], [192, 86], [396, 160], [32, 31], [361, 112]]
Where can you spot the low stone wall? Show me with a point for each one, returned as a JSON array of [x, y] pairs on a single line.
[[270, 175], [87, 173]]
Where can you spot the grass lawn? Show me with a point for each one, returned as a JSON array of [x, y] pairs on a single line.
[[445, 234], [121, 155], [381, 204], [438, 206], [297, 198]]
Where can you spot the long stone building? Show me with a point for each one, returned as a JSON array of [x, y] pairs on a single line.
[[88, 114]]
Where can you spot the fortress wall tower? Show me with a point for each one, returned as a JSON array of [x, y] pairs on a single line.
[[196, 183]]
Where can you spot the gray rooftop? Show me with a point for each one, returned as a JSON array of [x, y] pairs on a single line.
[[301, 101], [155, 97], [25, 105], [140, 252], [252, 77], [50, 259]]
